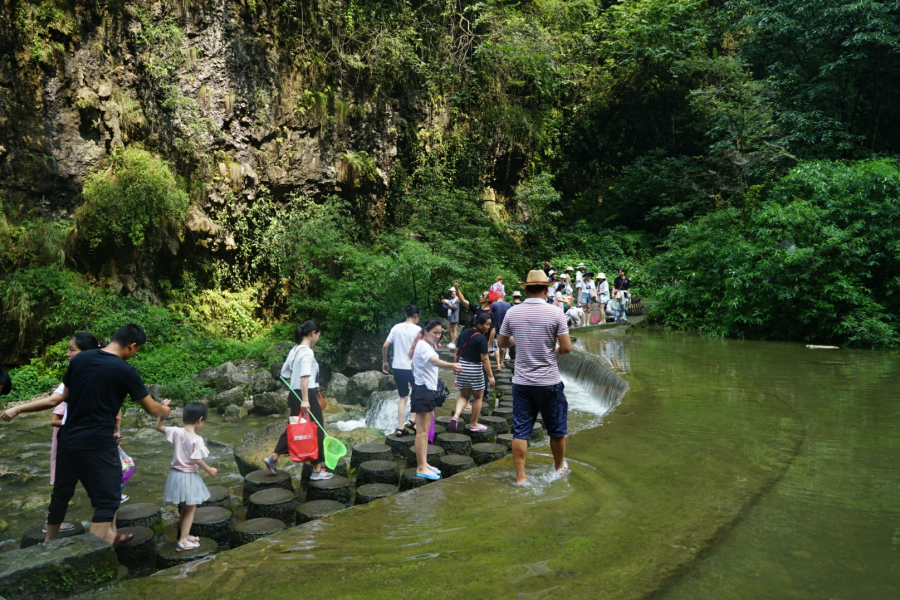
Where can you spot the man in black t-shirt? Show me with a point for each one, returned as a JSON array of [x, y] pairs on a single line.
[[97, 383]]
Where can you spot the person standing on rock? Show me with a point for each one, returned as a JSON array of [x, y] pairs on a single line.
[[498, 311], [484, 302], [402, 336], [540, 333], [452, 306], [424, 398], [302, 370], [475, 361], [620, 297], [96, 383], [602, 297], [579, 283]]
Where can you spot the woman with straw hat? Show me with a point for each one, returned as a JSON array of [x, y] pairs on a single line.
[[602, 296]]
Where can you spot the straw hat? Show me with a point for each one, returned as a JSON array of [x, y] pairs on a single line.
[[537, 277], [569, 269], [601, 276]]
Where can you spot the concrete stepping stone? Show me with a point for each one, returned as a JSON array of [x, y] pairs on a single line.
[[455, 463], [57, 569], [366, 452], [498, 423], [373, 491], [337, 488], [253, 529], [464, 417], [482, 454], [488, 436], [378, 471], [434, 455], [317, 509], [218, 496], [506, 398], [409, 481], [167, 556], [505, 439], [399, 445], [34, 535], [145, 515], [213, 522], [538, 432], [454, 443], [138, 555], [443, 422], [509, 404], [273, 503], [505, 413], [439, 429], [504, 388], [258, 481], [342, 468]]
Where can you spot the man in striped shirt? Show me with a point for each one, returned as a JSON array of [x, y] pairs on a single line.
[[540, 333]]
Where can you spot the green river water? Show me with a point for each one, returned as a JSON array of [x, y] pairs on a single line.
[[730, 470]]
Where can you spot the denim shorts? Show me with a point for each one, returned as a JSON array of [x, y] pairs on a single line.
[[549, 401]]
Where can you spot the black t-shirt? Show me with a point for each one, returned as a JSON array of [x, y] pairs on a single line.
[[477, 310], [498, 313], [618, 284], [98, 383], [472, 344]]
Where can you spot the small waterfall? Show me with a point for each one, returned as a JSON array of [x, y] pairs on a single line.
[[381, 412], [603, 386]]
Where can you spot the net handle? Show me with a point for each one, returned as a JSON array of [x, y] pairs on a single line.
[[294, 392]]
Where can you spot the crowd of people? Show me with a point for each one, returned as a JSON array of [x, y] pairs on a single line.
[[529, 332]]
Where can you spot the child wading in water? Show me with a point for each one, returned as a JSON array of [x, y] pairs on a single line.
[[184, 486]]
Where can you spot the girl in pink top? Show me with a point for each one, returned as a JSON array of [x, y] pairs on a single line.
[[184, 486]]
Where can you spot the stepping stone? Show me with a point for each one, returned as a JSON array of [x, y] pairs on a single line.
[[409, 481], [455, 463], [443, 422], [454, 443], [34, 535], [249, 531], [538, 432], [218, 496], [167, 556], [258, 481], [505, 413], [213, 522], [378, 471], [506, 398], [482, 454], [439, 429], [399, 445], [373, 491], [487, 405], [488, 436], [57, 569], [138, 555], [434, 455], [366, 452], [337, 488], [465, 417], [145, 515], [342, 468], [505, 439], [274, 503], [317, 510], [497, 423], [504, 388]]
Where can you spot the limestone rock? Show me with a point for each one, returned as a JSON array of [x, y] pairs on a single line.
[[275, 371], [361, 386], [262, 382], [230, 377], [270, 403], [338, 387], [207, 376], [283, 348], [233, 412], [249, 454], [232, 397], [364, 354]]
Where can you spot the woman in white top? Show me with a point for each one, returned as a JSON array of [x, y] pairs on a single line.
[[402, 336], [425, 364], [302, 370], [602, 296]]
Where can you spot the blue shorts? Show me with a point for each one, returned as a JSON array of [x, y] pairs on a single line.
[[548, 400]]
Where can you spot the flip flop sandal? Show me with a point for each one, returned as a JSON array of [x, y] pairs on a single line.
[[189, 545], [434, 470], [478, 428], [124, 539], [454, 424], [430, 475], [62, 528]]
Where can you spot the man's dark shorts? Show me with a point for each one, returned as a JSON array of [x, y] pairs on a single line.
[[550, 401], [404, 380], [99, 471]]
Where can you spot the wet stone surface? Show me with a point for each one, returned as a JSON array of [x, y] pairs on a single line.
[[213, 522], [409, 481], [488, 436], [263, 480], [138, 555], [254, 529], [485, 453], [498, 423], [275, 503], [337, 488], [218, 496], [454, 443], [399, 445], [146, 515], [434, 455], [378, 471], [34, 535], [455, 463], [317, 509], [167, 556], [373, 491], [366, 452]]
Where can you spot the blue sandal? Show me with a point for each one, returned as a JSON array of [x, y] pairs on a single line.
[[431, 476]]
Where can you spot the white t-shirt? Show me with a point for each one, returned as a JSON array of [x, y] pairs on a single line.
[[300, 363], [402, 336], [61, 389], [579, 277], [587, 286], [575, 313], [425, 372]]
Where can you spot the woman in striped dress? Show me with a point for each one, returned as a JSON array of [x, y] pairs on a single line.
[[474, 358]]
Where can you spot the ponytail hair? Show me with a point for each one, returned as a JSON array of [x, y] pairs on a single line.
[[431, 324], [304, 331], [85, 341], [412, 310]]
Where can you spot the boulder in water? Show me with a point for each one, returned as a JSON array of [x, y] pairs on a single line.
[[235, 413], [230, 377], [262, 382], [271, 403], [213, 522], [364, 354], [207, 376], [362, 385], [250, 454], [232, 397], [338, 387]]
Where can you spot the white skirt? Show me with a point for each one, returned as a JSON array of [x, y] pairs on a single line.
[[185, 487]]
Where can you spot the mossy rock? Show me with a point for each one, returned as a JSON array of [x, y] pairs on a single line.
[[505, 413], [497, 423], [138, 555], [455, 463], [337, 488], [254, 529], [218, 496], [409, 481], [250, 454], [373, 491], [273, 503], [378, 471], [488, 436], [318, 509], [144, 515], [538, 432], [399, 445], [454, 443], [342, 468], [366, 452], [258, 481], [482, 454], [34, 535], [167, 556], [505, 439], [213, 522], [434, 455]]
